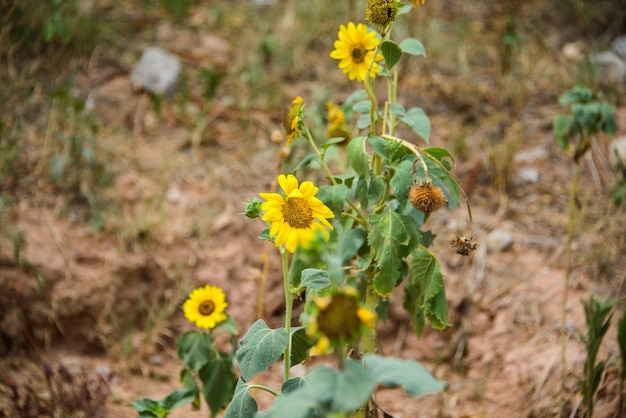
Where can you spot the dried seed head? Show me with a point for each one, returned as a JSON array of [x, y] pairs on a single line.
[[464, 245], [381, 12], [427, 197]]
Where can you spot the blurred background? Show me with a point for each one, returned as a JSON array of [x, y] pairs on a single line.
[[131, 134]]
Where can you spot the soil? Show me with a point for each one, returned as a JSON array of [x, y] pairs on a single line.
[[105, 305]]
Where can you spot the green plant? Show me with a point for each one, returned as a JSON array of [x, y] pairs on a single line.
[[346, 247], [598, 316], [589, 117]]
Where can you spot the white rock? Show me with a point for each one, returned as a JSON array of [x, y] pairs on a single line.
[[612, 67], [618, 46], [498, 240], [618, 146], [528, 174], [174, 195], [157, 71]]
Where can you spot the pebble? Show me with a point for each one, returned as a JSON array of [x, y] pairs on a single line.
[[528, 175], [174, 195], [617, 146], [157, 71], [612, 67], [618, 46], [499, 240]]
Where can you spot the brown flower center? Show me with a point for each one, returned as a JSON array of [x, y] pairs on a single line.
[[358, 54], [297, 212], [206, 308], [340, 318]]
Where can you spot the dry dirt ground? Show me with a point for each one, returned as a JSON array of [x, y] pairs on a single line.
[[108, 303]]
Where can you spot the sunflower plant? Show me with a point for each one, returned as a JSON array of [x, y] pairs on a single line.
[[346, 245]]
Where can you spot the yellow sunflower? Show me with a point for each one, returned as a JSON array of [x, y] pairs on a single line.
[[292, 118], [355, 50], [417, 2], [205, 306], [296, 218]]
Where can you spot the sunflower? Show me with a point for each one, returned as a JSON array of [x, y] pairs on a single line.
[[337, 317], [205, 306], [296, 218], [292, 118], [417, 2], [355, 50]]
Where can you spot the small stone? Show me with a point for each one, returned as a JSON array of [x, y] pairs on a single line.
[[173, 195], [618, 46], [157, 71], [156, 360], [612, 67], [498, 240], [617, 150], [528, 175]]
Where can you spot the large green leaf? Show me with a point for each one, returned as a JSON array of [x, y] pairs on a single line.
[[300, 345], [357, 157], [315, 278], [218, 381], [441, 154], [392, 53], [413, 46], [243, 404], [390, 231], [350, 243], [260, 348], [195, 349], [402, 180], [408, 374], [426, 276], [334, 197], [418, 121]]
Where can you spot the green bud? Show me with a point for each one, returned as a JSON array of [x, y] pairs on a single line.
[[252, 208]]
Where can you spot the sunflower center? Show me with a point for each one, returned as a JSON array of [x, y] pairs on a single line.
[[206, 308], [340, 318], [358, 54], [297, 212]]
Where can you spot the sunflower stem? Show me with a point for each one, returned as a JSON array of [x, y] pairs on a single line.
[[288, 310]]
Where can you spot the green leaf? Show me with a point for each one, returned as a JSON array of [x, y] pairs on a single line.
[[315, 278], [392, 53], [413, 46], [379, 145], [576, 95], [357, 157], [178, 398], [562, 129], [149, 407], [412, 302], [441, 154], [353, 387], [357, 96], [300, 345], [291, 385], [402, 180], [305, 161], [608, 125], [229, 325], [376, 189], [260, 348], [331, 142], [195, 349], [621, 340], [350, 243], [418, 121], [334, 197], [218, 381], [426, 275], [408, 374], [243, 404], [265, 235], [390, 231]]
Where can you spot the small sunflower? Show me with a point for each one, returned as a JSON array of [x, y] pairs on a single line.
[[296, 218], [355, 50], [338, 317], [205, 306], [292, 118], [336, 127], [417, 3]]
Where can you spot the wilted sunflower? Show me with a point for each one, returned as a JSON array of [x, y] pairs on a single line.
[[205, 306], [337, 317], [292, 118], [296, 218], [427, 197], [355, 50]]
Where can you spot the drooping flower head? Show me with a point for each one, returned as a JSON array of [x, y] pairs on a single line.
[[205, 306], [292, 119], [355, 50], [417, 2], [336, 127], [297, 217], [427, 197], [337, 317], [381, 12]]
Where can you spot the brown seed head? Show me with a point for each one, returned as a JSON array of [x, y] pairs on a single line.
[[381, 12], [464, 245], [427, 197]]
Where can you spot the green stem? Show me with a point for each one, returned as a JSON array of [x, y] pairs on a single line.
[[568, 272], [288, 310], [265, 388]]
